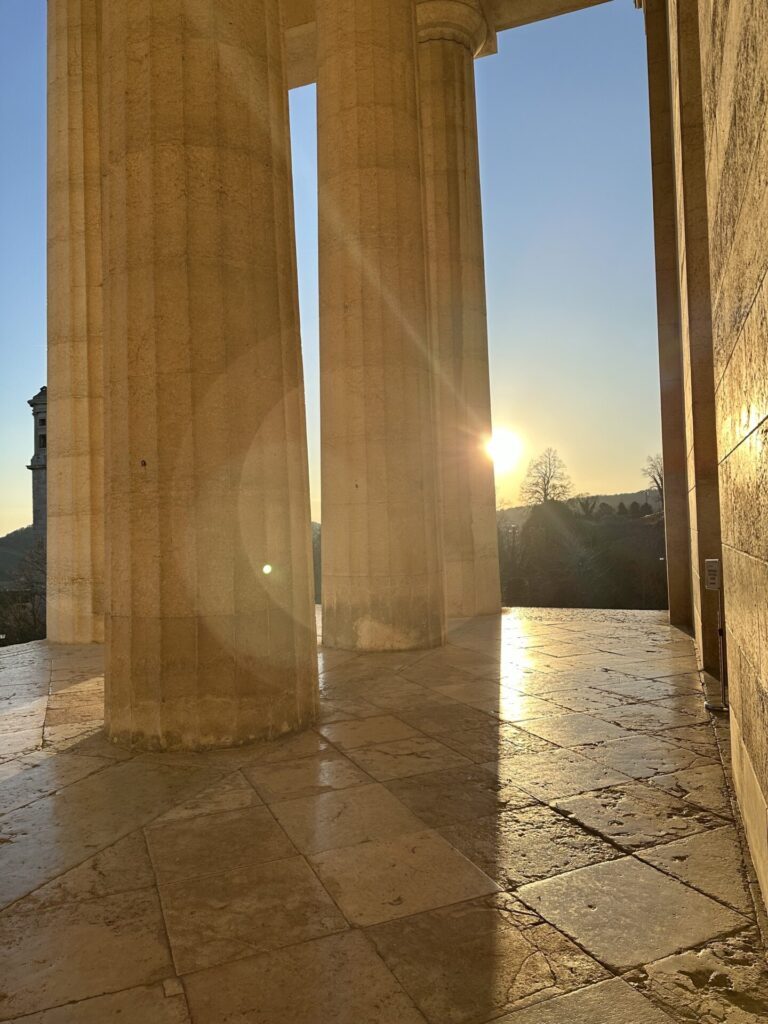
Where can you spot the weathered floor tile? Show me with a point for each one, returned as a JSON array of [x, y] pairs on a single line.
[[608, 1002], [340, 709], [535, 682], [30, 782], [457, 686], [70, 736], [385, 686], [382, 880], [232, 793], [288, 748], [494, 741], [304, 744], [23, 715], [626, 913], [634, 687], [145, 1005], [704, 786], [648, 717], [516, 706], [479, 664], [586, 699], [77, 950], [401, 758], [97, 811], [248, 910], [363, 732], [556, 773], [14, 743], [642, 756], [691, 703], [213, 843], [711, 862], [699, 738], [449, 717], [344, 818], [659, 668], [402, 694], [308, 776], [574, 730], [123, 867], [472, 961], [337, 979], [636, 815], [725, 982], [517, 847], [458, 794]]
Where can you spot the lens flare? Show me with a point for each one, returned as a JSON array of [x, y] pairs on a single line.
[[267, 569], [504, 449]]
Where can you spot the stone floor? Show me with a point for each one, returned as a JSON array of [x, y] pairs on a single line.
[[532, 825]]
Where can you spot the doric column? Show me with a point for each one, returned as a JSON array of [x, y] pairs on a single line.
[[382, 574], [695, 291], [210, 626], [75, 428], [450, 33]]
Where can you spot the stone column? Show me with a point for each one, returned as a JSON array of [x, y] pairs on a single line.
[[693, 256], [450, 33], [672, 386], [382, 573], [210, 627], [75, 426]]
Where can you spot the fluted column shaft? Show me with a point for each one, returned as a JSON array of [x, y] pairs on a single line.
[[450, 33], [382, 573], [207, 481], [75, 431]]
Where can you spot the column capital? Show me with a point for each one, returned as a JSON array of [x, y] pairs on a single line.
[[462, 21]]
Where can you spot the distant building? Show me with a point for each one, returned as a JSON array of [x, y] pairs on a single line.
[[39, 463]]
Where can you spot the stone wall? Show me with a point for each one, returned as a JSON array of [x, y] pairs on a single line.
[[734, 70]]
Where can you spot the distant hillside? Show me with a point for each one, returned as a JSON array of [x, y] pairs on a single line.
[[13, 547], [517, 515]]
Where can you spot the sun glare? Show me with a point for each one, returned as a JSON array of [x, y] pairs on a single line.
[[504, 449]]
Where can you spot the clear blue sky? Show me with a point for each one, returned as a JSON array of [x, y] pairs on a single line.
[[564, 149]]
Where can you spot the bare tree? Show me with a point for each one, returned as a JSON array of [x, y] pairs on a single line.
[[654, 471], [587, 504], [546, 480]]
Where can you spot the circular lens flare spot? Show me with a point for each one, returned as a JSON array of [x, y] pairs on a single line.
[[504, 449], [267, 569]]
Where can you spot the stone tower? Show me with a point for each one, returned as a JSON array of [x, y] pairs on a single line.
[[39, 462]]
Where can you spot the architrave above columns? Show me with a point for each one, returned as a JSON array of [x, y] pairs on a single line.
[[300, 29]]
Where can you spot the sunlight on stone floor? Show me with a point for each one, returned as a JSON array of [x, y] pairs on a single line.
[[532, 825]]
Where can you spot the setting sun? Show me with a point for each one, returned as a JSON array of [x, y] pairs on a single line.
[[504, 449]]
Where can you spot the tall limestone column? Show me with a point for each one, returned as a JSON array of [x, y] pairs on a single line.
[[382, 572], [450, 33], [75, 427], [210, 625]]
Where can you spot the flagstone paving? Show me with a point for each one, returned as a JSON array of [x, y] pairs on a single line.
[[531, 825]]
